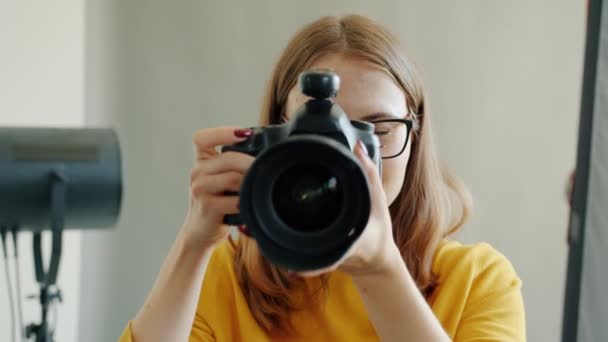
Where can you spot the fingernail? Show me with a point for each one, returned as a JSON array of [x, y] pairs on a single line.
[[243, 229], [362, 146], [243, 133]]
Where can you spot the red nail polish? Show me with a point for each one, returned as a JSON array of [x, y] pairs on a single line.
[[243, 133], [243, 229]]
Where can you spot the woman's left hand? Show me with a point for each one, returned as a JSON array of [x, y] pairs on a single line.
[[375, 251]]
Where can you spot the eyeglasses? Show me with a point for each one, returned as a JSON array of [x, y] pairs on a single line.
[[393, 135]]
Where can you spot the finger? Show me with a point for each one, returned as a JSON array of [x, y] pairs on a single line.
[[370, 169], [228, 161], [217, 204], [219, 183], [206, 140], [225, 204]]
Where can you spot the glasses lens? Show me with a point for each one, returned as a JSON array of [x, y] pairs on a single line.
[[308, 198], [393, 137]]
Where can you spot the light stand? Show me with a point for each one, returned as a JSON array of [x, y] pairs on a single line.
[[54, 179], [47, 279]]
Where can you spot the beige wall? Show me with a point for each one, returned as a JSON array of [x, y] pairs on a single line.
[[504, 80], [41, 84]]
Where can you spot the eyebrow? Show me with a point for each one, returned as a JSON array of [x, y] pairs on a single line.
[[379, 115]]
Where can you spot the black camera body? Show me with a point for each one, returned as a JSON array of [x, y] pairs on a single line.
[[306, 198]]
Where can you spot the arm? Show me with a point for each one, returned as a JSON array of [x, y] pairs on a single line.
[[168, 313], [394, 304], [396, 307], [488, 307]]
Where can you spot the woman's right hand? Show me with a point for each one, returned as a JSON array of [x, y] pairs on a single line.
[[213, 175]]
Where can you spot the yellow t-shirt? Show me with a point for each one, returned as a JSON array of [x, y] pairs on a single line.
[[478, 298]]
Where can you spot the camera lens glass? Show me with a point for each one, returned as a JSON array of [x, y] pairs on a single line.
[[308, 198]]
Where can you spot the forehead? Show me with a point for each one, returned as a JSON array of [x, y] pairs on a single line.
[[365, 89]]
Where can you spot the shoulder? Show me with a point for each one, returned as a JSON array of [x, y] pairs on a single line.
[[478, 294], [479, 267], [221, 265], [220, 274], [224, 252]]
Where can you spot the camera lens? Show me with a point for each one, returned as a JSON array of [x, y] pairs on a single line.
[[308, 198]]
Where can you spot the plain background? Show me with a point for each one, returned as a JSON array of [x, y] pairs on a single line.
[[504, 81]]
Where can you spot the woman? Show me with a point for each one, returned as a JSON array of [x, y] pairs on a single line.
[[401, 281]]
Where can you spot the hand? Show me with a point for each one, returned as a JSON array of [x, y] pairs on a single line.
[[213, 174], [375, 250]]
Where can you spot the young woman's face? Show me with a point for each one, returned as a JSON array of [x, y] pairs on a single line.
[[367, 93]]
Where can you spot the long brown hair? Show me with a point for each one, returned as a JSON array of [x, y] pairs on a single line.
[[431, 204]]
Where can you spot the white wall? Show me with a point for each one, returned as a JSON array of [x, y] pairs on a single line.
[[41, 84], [505, 85]]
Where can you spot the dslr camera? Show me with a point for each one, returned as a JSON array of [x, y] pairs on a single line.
[[306, 199]]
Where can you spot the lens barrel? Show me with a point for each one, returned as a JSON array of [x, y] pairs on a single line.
[[305, 201]]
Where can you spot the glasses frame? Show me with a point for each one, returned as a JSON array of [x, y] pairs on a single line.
[[408, 123]]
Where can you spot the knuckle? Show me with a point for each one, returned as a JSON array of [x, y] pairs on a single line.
[[238, 161], [198, 136], [234, 180], [194, 173], [198, 172], [197, 190], [231, 163]]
